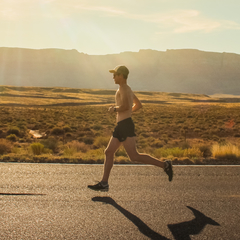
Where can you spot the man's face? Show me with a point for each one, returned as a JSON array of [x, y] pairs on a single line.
[[116, 77]]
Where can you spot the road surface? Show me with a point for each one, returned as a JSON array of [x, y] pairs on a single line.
[[52, 201]]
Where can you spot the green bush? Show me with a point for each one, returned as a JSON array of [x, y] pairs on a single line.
[[101, 141], [97, 127], [193, 153], [37, 148], [206, 150], [94, 154], [88, 140], [32, 120], [178, 152], [167, 152], [157, 144], [12, 137], [67, 129], [69, 152], [13, 130], [5, 146], [57, 131], [50, 143]]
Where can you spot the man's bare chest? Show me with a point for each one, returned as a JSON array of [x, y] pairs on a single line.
[[118, 97]]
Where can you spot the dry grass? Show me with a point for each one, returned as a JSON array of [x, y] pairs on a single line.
[[228, 151], [169, 125], [68, 96], [5, 146]]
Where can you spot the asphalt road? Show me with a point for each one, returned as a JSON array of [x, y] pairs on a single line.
[[52, 201]]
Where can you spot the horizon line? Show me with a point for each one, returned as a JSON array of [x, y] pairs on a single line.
[[127, 51]]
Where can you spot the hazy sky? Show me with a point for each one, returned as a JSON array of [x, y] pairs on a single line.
[[110, 26]]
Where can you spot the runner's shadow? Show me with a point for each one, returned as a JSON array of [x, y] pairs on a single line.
[[143, 228], [22, 194], [183, 230]]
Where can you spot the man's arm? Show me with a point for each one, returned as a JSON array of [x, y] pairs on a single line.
[[136, 104]]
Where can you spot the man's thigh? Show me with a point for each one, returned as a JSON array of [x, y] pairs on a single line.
[[113, 145], [130, 146]]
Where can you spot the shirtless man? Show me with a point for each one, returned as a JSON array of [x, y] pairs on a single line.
[[126, 103]]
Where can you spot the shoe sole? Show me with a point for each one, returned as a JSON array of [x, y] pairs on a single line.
[[99, 190], [171, 170]]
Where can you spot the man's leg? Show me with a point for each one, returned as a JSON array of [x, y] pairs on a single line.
[[112, 147], [130, 147]]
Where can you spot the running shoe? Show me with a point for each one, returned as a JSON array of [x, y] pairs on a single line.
[[99, 187], [168, 170]]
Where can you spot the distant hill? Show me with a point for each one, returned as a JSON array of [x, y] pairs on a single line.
[[185, 70]]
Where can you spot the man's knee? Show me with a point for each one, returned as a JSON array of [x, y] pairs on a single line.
[[108, 152]]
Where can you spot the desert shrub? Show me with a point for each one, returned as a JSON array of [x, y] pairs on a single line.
[[164, 136], [57, 131], [88, 140], [215, 138], [101, 141], [50, 143], [13, 130], [67, 129], [37, 148], [144, 135], [228, 151], [166, 152], [157, 144], [32, 120], [193, 153], [205, 136], [76, 146], [5, 146], [12, 137], [97, 127], [197, 130], [205, 150], [185, 145], [69, 151], [94, 154], [22, 125]]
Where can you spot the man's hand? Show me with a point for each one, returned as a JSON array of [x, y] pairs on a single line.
[[111, 109]]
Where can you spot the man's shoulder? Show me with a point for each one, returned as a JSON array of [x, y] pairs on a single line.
[[125, 88]]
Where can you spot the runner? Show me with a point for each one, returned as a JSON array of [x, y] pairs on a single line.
[[126, 103]]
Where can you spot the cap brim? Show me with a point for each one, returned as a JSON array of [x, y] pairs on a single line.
[[112, 71]]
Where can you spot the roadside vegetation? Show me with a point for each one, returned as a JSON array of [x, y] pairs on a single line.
[[189, 132]]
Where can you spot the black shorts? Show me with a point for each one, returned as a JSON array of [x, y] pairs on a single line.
[[124, 129]]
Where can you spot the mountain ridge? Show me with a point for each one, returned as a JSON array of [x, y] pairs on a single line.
[[180, 70]]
